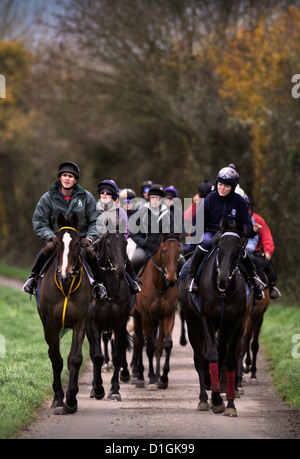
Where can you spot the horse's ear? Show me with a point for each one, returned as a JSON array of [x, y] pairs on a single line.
[[223, 224], [61, 220], [75, 221]]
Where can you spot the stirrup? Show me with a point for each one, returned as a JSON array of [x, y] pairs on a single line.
[[30, 289]]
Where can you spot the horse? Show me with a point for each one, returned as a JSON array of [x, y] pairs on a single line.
[[250, 340], [111, 315], [223, 308], [63, 300], [154, 311]]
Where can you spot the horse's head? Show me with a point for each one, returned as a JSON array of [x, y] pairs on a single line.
[[170, 256], [115, 252], [230, 243], [67, 245]]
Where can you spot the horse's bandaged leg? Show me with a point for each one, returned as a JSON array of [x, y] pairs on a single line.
[[214, 375], [230, 392]]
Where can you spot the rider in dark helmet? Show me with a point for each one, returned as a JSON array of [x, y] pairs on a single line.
[[204, 188], [219, 203], [145, 189], [66, 196]]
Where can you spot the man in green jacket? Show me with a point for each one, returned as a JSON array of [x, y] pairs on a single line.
[[67, 196]]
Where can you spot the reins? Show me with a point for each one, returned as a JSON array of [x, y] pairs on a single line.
[[73, 276]]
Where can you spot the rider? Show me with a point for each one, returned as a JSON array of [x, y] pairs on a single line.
[[66, 196], [109, 194], [146, 225], [219, 203]]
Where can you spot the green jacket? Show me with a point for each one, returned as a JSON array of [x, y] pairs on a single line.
[[52, 203]]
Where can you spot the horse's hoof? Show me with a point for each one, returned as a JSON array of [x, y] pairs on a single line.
[[114, 397], [230, 412], [162, 385], [241, 391], [59, 410], [97, 395], [105, 368], [203, 406], [140, 383], [253, 380], [124, 378], [152, 387], [237, 393], [218, 409], [70, 409]]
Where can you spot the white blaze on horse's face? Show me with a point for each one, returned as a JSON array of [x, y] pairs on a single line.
[[66, 240]]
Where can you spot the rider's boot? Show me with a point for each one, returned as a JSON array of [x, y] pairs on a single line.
[[197, 257], [259, 286], [274, 292], [135, 281], [99, 289], [31, 282]]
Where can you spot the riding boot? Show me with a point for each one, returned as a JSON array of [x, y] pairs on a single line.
[[197, 257], [31, 282], [133, 279], [99, 289], [274, 291], [259, 286]]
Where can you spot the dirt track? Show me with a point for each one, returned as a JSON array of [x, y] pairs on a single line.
[[171, 413]]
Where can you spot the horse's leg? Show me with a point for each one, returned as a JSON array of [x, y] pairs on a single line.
[[94, 337], [106, 356], [167, 344], [257, 323], [121, 343], [182, 340], [231, 370], [52, 339], [74, 364], [194, 334], [212, 355], [124, 374], [139, 343], [150, 348]]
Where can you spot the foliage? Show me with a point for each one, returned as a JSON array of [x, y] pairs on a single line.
[[165, 90], [279, 326]]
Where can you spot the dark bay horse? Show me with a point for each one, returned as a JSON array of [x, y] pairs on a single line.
[[154, 312], [110, 314], [223, 308], [63, 301]]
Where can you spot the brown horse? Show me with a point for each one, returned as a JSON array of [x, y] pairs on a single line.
[[63, 301], [154, 313], [250, 340]]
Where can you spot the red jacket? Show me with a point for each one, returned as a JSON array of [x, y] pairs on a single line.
[[265, 240]]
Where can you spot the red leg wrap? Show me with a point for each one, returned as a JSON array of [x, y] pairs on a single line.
[[214, 375], [230, 392]]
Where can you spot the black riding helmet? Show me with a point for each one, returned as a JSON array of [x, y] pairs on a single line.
[[229, 176], [70, 167]]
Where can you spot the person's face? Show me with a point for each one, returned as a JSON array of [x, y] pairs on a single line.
[[223, 189], [105, 196], [155, 201], [67, 180]]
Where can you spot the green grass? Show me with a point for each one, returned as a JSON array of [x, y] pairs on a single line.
[[25, 370], [13, 272], [280, 325]]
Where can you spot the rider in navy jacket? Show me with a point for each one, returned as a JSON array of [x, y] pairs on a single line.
[[223, 202]]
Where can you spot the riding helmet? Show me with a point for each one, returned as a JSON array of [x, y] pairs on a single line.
[[109, 185], [229, 176], [146, 186], [69, 167], [171, 191], [204, 188], [157, 190]]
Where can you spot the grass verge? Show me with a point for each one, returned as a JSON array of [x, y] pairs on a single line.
[[280, 337], [25, 368]]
